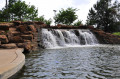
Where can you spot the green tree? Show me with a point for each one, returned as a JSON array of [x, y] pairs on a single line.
[[11, 2], [10, 13], [32, 13], [20, 10], [104, 14], [67, 16], [3, 15], [48, 22], [78, 23], [40, 18]]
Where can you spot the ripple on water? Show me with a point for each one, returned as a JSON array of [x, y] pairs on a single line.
[[100, 62]]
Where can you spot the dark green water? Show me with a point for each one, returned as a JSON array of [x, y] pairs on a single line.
[[91, 62]]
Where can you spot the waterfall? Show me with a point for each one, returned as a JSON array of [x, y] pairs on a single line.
[[53, 38]]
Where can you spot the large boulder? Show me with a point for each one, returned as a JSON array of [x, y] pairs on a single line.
[[44, 26], [28, 32], [16, 39], [22, 28], [32, 28], [90, 27], [3, 39], [27, 23], [4, 27], [27, 37], [39, 22], [106, 38], [17, 23], [2, 32], [8, 46], [20, 45], [15, 33], [27, 47]]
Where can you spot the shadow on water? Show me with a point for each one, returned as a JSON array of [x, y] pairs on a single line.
[[72, 63]]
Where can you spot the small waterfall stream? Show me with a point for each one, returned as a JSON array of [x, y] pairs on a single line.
[[54, 38]]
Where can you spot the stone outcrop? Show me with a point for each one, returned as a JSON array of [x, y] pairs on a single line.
[[18, 34], [17, 23], [22, 28], [105, 38], [8, 46], [23, 34], [4, 27], [2, 32], [16, 39], [3, 39], [0, 43], [27, 37], [32, 28]]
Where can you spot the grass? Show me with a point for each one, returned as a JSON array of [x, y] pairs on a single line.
[[116, 33]]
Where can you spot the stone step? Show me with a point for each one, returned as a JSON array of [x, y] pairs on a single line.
[[15, 33], [27, 37], [8, 46], [3, 39], [16, 39], [2, 32], [4, 27], [12, 29]]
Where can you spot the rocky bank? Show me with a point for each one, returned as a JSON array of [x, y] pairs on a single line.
[[19, 34]]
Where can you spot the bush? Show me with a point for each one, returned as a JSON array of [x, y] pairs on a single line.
[[116, 33]]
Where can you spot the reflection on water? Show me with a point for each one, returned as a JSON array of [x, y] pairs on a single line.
[[101, 62]]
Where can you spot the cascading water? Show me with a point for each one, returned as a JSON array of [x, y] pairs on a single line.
[[53, 38]]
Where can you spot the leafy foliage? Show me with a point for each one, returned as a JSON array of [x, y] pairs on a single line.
[[105, 15], [78, 23], [67, 16], [40, 18], [48, 22], [116, 33], [19, 10]]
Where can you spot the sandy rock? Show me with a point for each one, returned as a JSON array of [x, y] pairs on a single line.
[[39, 22], [4, 27], [106, 38], [8, 46], [2, 32], [90, 27], [22, 28], [27, 23], [16, 39], [3, 39], [27, 37], [44, 26], [17, 23], [27, 47], [27, 41], [32, 28], [20, 45], [15, 33], [28, 32], [12, 29]]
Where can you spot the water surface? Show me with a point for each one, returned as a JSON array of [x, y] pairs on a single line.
[[91, 62]]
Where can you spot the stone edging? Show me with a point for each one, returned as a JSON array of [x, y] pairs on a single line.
[[11, 68]]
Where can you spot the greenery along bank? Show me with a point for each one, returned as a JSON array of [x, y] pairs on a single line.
[[105, 14], [18, 10]]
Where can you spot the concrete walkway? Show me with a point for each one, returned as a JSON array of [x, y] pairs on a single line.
[[11, 61]]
